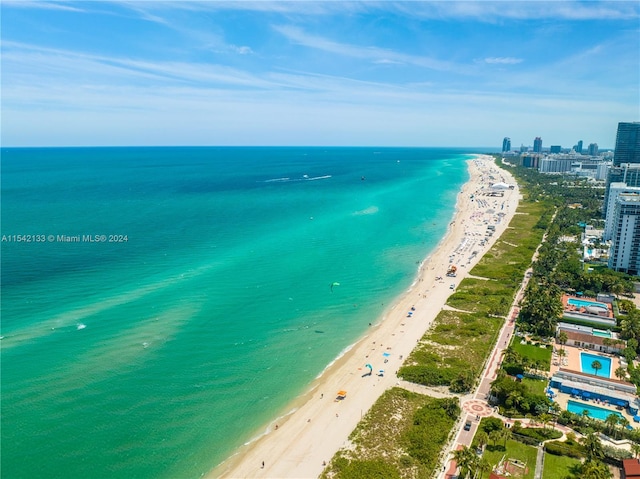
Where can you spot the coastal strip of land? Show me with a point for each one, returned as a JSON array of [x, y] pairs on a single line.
[[300, 444]]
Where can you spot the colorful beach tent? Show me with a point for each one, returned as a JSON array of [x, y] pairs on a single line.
[[342, 394]]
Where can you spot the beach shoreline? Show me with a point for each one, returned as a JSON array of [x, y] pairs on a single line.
[[317, 424]]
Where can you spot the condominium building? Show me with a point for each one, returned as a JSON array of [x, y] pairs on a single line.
[[506, 144], [628, 173], [615, 190], [625, 241]]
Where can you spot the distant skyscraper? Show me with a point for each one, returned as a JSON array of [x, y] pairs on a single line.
[[537, 145], [579, 147], [627, 144], [624, 254], [506, 144], [555, 149], [593, 149]]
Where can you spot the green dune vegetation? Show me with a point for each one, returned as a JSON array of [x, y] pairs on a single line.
[[401, 436], [454, 350]]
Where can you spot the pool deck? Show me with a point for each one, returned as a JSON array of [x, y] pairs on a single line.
[[562, 399], [575, 309], [572, 362]]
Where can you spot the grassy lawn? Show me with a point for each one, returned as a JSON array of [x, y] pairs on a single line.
[[514, 450], [558, 467], [535, 386], [534, 353]]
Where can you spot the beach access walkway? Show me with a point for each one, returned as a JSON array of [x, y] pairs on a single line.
[[477, 407]]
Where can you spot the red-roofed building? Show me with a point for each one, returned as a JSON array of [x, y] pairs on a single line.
[[631, 469]]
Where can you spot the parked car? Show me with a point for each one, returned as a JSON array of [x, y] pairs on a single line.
[[467, 426], [452, 286]]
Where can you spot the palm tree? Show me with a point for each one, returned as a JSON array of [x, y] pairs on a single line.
[[611, 421], [482, 438], [592, 447], [545, 419], [562, 353], [597, 366], [466, 460], [623, 422], [483, 466], [635, 449], [495, 436], [505, 435], [621, 373], [595, 470], [562, 339]]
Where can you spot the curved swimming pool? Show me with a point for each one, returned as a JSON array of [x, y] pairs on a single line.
[[583, 303]]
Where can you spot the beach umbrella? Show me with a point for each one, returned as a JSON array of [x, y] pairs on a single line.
[[636, 418], [386, 355], [621, 403], [519, 376], [586, 394], [574, 392], [369, 366]]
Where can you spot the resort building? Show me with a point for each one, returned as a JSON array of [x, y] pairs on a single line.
[[631, 468], [587, 337], [597, 313], [625, 235]]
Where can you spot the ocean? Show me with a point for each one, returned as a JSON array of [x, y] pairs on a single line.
[[160, 306]]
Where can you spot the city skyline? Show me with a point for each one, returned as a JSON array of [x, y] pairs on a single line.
[[318, 73]]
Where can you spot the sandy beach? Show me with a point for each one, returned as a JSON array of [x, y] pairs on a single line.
[[296, 446]]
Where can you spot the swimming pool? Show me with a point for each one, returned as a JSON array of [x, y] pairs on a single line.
[[602, 333], [586, 360], [594, 411], [581, 303]]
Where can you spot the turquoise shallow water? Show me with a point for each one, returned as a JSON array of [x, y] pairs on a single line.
[[157, 356]]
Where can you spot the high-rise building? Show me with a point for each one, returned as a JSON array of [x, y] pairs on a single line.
[[506, 144], [578, 147], [555, 149], [537, 145], [624, 254], [628, 173], [627, 144], [615, 190], [593, 149]]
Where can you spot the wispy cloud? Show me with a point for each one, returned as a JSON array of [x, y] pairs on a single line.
[[493, 11], [502, 60], [374, 54], [42, 5]]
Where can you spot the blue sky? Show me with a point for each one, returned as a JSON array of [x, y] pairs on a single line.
[[318, 73]]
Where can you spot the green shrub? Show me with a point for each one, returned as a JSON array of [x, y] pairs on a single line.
[[562, 449]]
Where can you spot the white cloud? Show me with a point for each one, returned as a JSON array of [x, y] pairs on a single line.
[[243, 50], [503, 60]]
